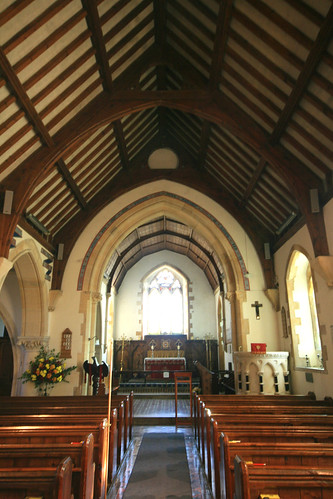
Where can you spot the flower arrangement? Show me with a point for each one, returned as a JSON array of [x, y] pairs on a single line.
[[47, 370]]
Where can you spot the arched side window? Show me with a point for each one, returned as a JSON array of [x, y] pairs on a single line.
[[303, 313], [165, 302]]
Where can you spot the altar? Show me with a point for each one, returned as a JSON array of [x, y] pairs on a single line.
[[163, 367]]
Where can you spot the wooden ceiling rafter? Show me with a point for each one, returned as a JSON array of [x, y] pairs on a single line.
[[220, 42], [163, 233], [212, 55], [97, 39], [254, 180], [38, 124], [34, 25], [314, 57]]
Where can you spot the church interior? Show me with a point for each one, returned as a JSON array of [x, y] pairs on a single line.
[[166, 223]]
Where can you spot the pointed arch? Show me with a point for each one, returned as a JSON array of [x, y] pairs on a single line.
[[165, 301]]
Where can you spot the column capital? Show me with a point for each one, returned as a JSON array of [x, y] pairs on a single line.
[[33, 343]]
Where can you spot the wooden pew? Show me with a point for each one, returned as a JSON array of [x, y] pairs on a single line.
[[77, 405], [256, 433], [65, 434], [264, 453], [263, 415], [230, 401], [46, 455], [288, 482], [46, 482], [252, 401], [115, 451]]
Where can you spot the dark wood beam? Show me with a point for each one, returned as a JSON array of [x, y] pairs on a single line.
[[37, 122], [119, 134], [94, 25], [324, 37], [126, 181], [160, 23], [204, 141], [221, 36], [214, 108], [253, 182], [62, 168], [23, 99]]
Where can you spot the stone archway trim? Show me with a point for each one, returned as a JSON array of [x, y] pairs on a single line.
[[156, 195]]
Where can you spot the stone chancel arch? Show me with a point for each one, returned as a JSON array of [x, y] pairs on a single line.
[[135, 209], [181, 209]]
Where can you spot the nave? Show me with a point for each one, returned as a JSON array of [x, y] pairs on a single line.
[[156, 415]]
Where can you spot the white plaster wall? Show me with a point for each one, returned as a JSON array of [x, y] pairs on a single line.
[[264, 330], [128, 300], [322, 383]]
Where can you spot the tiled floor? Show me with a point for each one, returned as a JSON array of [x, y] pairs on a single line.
[[162, 408]]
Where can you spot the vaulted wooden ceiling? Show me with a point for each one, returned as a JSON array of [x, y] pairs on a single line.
[[241, 90]]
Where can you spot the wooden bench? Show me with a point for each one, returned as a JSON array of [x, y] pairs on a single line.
[[46, 455], [63, 419], [65, 434], [254, 416], [222, 401], [287, 482], [255, 433], [75, 405], [46, 482], [264, 453], [230, 403]]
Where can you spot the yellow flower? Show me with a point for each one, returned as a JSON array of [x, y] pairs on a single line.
[[60, 378], [60, 369], [33, 377], [47, 366], [41, 360], [51, 358], [43, 373]]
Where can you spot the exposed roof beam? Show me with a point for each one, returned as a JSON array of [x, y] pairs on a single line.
[[37, 122], [94, 25], [255, 177], [204, 140], [221, 36], [119, 134], [164, 232], [324, 37]]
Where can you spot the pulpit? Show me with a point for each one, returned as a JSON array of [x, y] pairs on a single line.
[[264, 373], [163, 367]]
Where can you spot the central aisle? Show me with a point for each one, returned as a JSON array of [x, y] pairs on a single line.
[[155, 415], [160, 469]]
